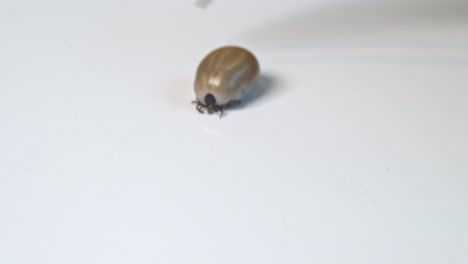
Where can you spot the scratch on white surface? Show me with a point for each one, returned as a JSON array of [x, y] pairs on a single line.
[[391, 224], [19, 165], [203, 3], [375, 204]]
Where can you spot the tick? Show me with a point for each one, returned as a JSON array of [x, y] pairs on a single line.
[[224, 77]]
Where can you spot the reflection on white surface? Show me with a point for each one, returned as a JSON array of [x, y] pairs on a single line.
[[367, 25], [352, 149]]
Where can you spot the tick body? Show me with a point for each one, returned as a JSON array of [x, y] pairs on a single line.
[[224, 77]]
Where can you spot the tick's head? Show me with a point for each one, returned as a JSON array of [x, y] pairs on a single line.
[[209, 103]]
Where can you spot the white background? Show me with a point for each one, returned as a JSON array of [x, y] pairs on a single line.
[[352, 149]]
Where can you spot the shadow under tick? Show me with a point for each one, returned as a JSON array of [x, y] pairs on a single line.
[[267, 86]]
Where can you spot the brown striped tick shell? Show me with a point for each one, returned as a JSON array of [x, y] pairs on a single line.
[[224, 77]]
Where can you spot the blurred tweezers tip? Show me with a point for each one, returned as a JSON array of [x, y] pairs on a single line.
[[203, 3]]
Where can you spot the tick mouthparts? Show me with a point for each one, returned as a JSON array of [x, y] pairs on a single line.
[[210, 100]]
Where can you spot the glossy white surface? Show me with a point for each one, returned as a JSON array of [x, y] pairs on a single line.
[[353, 150]]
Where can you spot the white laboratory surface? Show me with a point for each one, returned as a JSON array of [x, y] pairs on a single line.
[[353, 148]]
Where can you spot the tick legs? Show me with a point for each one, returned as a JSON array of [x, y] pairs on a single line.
[[199, 107], [216, 108]]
